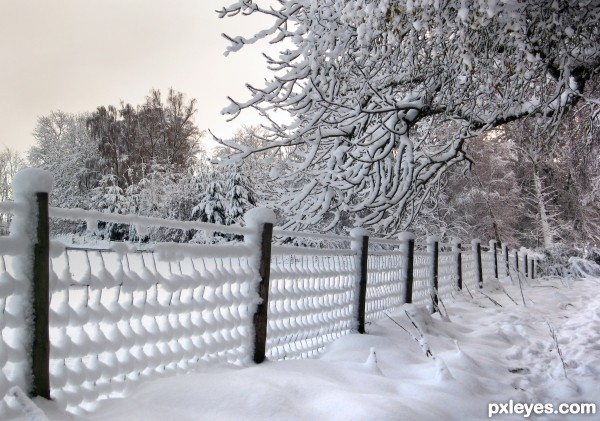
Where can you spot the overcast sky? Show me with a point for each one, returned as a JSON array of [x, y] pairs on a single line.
[[74, 55]]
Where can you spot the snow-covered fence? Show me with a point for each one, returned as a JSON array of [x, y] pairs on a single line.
[[120, 315], [312, 299]]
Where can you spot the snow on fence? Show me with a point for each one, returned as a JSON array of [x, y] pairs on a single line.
[[104, 319]]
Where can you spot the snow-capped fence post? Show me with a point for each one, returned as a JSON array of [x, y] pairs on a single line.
[[41, 301], [533, 259], [526, 258], [476, 247], [456, 247], [263, 219], [494, 250], [517, 261], [433, 247], [32, 186], [360, 244], [409, 244]]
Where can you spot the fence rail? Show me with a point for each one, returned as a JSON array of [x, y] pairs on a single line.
[[105, 319]]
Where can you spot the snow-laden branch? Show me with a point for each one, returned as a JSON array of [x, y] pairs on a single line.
[[362, 79]]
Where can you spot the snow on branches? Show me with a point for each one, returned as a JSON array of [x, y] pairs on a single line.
[[366, 80]]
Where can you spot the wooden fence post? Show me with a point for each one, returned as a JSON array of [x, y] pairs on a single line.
[[456, 246], [505, 251], [433, 248], [410, 262], [362, 285], [526, 258], [260, 317], [41, 301], [517, 261], [476, 246], [533, 268], [494, 250]]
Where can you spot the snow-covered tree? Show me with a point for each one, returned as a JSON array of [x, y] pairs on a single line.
[[129, 138], [163, 192], [210, 207], [239, 196], [10, 163], [65, 148], [263, 168], [580, 157], [109, 197], [359, 77], [485, 199]]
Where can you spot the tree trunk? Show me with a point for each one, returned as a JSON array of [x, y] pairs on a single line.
[[542, 211]]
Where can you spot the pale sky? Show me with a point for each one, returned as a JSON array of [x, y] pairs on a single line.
[[75, 55]]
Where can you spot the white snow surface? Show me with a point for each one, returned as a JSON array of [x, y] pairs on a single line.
[[406, 236], [482, 352], [260, 215], [32, 180]]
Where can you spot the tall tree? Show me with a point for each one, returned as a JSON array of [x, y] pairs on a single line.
[[10, 163], [65, 148], [130, 138], [109, 197], [210, 207], [239, 195], [359, 78], [263, 168]]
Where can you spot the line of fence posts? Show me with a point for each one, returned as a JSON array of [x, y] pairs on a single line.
[[41, 295]]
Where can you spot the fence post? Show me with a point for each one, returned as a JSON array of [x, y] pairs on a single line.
[[360, 244], [41, 301], [533, 268], [476, 247], [505, 251], [260, 317], [408, 239], [526, 258], [32, 186], [262, 219], [433, 248], [362, 288], [517, 261], [456, 247], [494, 250]]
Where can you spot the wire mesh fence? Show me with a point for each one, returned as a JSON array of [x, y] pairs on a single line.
[[117, 318], [120, 315]]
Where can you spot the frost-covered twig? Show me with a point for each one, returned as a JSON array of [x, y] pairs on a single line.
[[30, 409], [422, 341], [467, 288], [417, 340], [490, 298], [436, 307], [560, 354], [511, 298], [513, 281], [447, 316]]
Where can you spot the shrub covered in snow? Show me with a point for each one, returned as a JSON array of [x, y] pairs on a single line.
[[593, 254], [562, 260]]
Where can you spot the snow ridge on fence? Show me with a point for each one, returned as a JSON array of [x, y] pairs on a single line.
[[119, 316]]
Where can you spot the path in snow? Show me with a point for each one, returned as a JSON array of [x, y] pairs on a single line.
[[487, 352]]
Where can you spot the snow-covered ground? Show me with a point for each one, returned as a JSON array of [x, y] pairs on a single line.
[[493, 349]]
